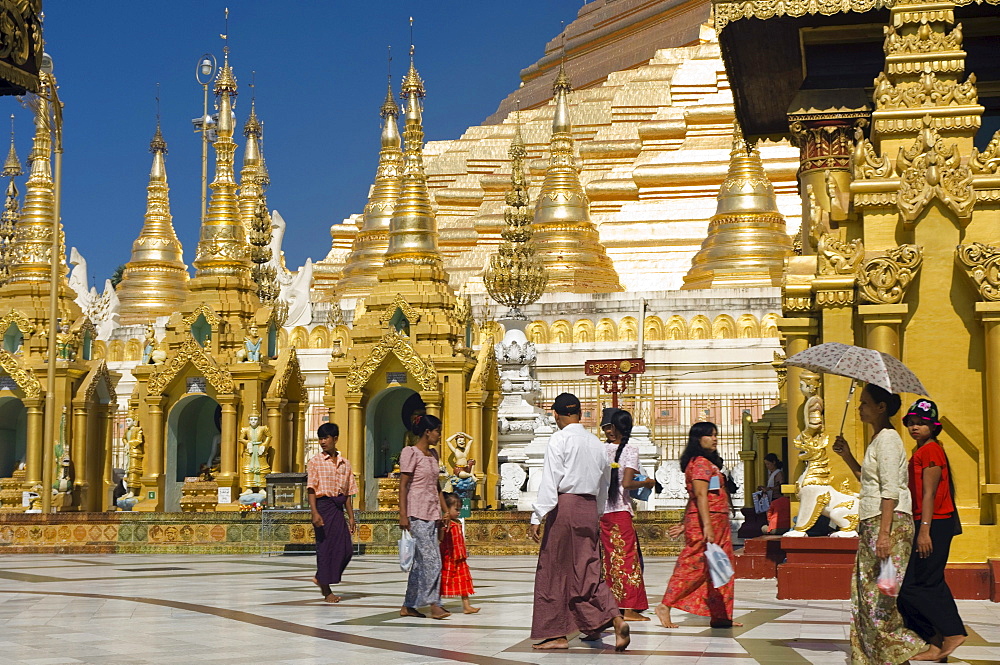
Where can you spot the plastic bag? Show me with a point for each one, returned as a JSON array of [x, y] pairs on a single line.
[[640, 493], [719, 565], [407, 550], [888, 582]]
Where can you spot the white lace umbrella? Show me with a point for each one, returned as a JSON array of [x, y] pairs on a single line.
[[859, 364]]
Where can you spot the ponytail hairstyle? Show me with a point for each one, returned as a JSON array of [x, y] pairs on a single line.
[[425, 423], [694, 449], [622, 422]]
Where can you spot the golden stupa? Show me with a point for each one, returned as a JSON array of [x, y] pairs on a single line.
[[371, 243], [84, 396], [746, 244], [411, 343], [222, 363], [154, 283], [11, 209], [566, 241]]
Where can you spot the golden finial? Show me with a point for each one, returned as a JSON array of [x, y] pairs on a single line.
[[157, 144], [12, 167], [389, 107], [264, 178], [252, 127], [225, 81], [412, 83]]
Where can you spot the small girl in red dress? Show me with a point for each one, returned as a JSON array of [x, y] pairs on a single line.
[[456, 579]]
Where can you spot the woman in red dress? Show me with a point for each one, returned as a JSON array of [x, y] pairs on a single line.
[[706, 520], [456, 578]]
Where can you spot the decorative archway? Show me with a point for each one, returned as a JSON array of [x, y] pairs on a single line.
[[194, 434], [385, 436], [13, 434]]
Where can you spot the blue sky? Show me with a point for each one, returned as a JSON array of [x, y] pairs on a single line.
[[320, 79]]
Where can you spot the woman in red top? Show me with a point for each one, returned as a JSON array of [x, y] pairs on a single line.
[[925, 601], [706, 520]]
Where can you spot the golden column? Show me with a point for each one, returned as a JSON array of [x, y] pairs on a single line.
[[372, 241], [566, 241], [154, 283], [356, 443], [746, 244]]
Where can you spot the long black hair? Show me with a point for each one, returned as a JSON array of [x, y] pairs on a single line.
[[426, 423], [694, 449], [622, 422]]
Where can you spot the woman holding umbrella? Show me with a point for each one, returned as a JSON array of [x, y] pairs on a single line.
[[885, 531]]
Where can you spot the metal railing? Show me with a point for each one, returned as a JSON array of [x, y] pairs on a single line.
[[667, 413]]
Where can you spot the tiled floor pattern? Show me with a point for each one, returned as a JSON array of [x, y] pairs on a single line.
[[165, 609]]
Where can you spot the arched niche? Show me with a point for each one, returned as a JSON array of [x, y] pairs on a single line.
[[193, 438], [724, 327], [628, 330], [700, 327], [747, 327], [13, 434], [385, 434], [537, 332], [654, 329], [677, 328], [560, 332], [769, 325], [583, 331], [606, 331]]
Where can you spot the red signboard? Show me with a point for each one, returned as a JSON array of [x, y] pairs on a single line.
[[613, 367]]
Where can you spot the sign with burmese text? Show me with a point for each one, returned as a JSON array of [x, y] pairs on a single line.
[[626, 366]]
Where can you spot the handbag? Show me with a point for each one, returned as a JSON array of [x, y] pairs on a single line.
[[407, 550], [640, 493], [719, 565]]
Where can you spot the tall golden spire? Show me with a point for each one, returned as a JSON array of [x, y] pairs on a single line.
[[250, 175], [372, 241], [413, 237], [33, 234], [223, 249], [155, 279], [746, 244], [11, 209], [566, 241], [515, 276]]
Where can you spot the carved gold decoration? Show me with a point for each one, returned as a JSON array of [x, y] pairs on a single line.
[[97, 375], [884, 279], [921, 41], [837, 257], [287, 369], [420, 369], [399, 302], [866, 163], [202, 310], [982, 265], [191, 352], [834, 298], [487, 372], [18, 319], [987, 161], [727, 12], [24, 379], [778, 364], [928, 91], [929, 170]]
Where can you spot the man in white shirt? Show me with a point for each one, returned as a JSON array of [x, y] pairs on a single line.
[[569, 592]]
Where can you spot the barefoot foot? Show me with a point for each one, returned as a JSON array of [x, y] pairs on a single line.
[[663, 614], [632, 615], [438, 612], [591, 637], [949, 644], [332, 598], [932, 654], [622, 634], [725, 624], [470, 610], [551, 644], [411, 612]]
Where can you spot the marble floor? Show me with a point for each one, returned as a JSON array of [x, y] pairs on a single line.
[[163, 609]]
